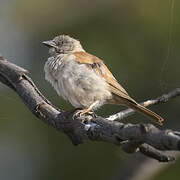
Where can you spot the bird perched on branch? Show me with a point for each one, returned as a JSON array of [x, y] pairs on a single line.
[[84, 80]]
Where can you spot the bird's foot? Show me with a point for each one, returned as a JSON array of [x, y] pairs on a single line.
[[81, 112], [85, 114]]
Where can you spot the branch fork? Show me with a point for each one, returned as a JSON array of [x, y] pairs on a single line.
[[145, 138]]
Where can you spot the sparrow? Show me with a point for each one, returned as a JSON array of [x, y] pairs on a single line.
[[84, 80]]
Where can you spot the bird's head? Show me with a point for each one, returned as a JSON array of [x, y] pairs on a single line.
[[63, 44]]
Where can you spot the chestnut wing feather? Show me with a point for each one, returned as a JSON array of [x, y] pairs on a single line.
[[101, 69]]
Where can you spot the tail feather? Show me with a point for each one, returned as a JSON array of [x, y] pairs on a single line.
[[150, 114]]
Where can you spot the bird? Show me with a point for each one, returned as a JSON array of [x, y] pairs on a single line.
[[84, 80]]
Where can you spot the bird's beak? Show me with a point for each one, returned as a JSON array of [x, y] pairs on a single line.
[[49, 43]]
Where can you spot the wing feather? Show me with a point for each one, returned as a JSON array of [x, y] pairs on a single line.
[[101, 69]]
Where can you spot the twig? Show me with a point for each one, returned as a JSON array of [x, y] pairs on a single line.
[[144, 137], [159, 100]]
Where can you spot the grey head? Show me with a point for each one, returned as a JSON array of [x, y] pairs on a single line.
[[63, 44]]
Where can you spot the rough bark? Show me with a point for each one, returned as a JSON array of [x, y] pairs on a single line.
[[145, 138]]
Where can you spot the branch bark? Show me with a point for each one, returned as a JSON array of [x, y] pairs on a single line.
[[162, 99], [145, 138]]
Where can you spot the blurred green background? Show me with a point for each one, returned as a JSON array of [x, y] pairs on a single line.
[[132, 37]]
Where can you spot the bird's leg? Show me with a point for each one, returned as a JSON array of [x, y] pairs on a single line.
[[85, 111]]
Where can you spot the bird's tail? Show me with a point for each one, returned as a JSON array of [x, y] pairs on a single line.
[[148, 113]]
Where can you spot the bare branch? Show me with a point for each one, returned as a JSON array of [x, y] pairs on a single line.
[[144, 138], [159, 100]]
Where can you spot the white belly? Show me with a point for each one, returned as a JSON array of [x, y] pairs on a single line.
[[75, 82]]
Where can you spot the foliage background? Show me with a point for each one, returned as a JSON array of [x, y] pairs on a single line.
[[133, 39]]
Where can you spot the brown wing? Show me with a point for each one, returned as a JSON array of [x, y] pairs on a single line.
[[120, 95], [100, 68]]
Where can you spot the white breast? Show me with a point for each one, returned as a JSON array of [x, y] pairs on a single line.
[[75, 82]]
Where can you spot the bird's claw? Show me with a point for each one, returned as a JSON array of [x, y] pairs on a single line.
[[81, 112]]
